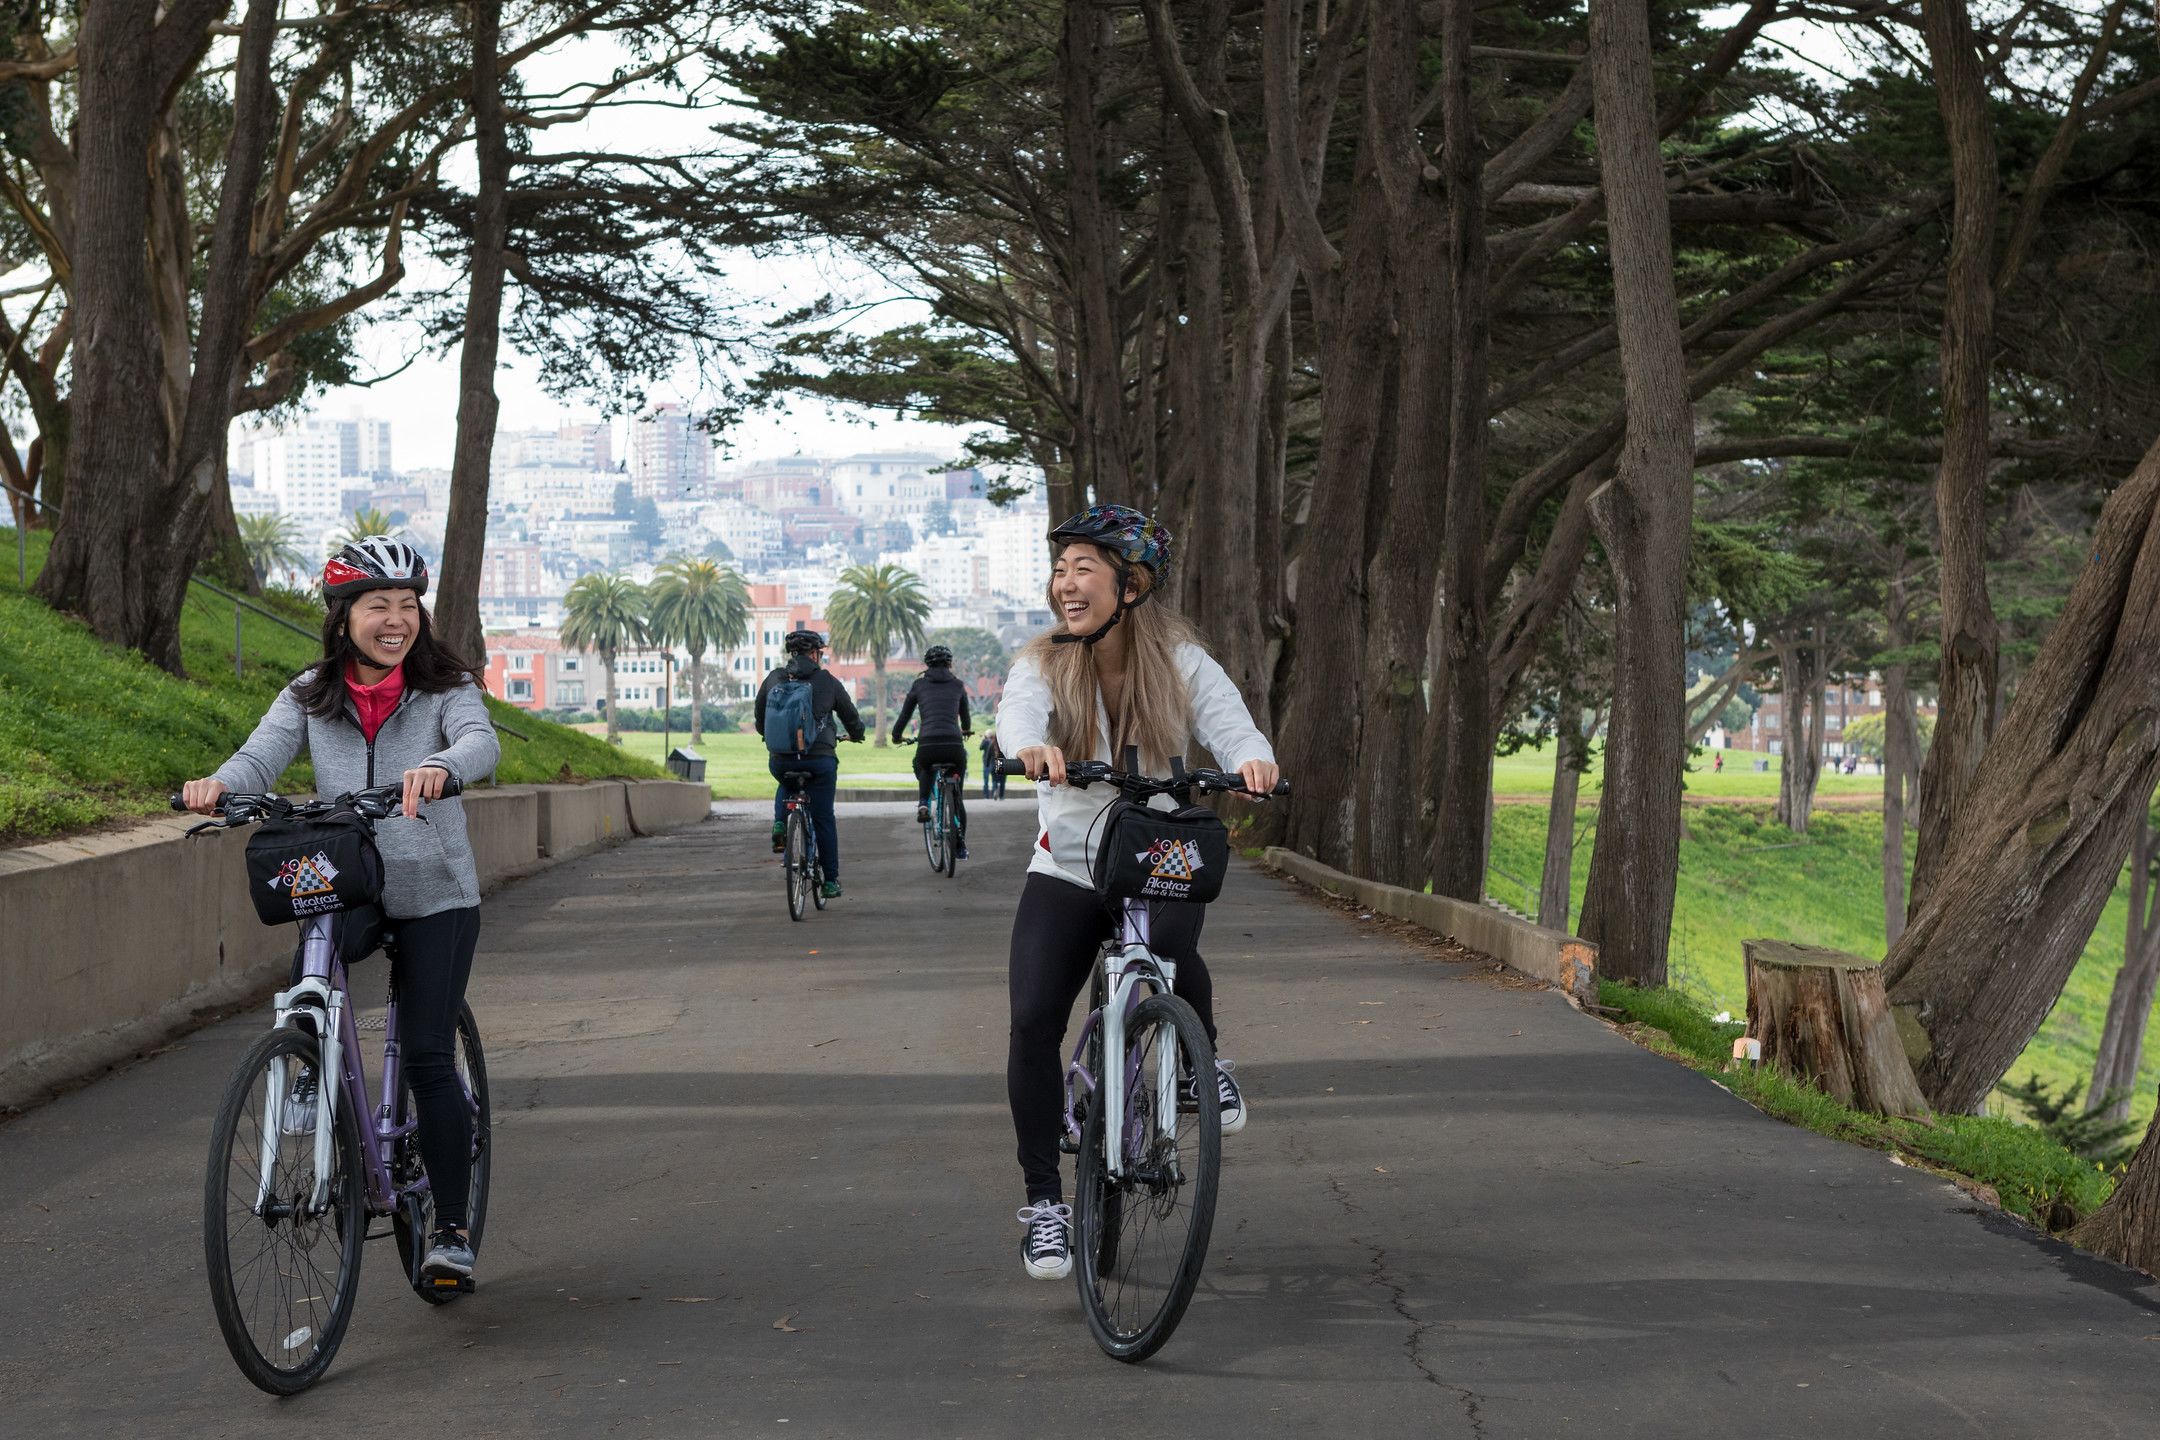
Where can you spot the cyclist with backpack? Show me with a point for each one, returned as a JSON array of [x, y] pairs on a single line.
[[940, 737], [795, 709], [1120, 669], [388, 701]]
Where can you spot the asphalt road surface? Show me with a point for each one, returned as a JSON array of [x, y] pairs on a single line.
[[757, 1177]]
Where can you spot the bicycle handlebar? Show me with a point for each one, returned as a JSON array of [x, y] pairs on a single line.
[[376, 803], [1083, 773]]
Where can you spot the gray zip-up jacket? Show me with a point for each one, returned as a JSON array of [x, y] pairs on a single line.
[[428, 862]]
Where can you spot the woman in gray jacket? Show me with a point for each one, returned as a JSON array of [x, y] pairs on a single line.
[[389, 703]]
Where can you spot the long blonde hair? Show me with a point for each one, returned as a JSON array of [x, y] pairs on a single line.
[[1157, 713]]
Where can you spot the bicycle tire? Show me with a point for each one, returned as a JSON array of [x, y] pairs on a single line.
[[411, 1239], [933, 833], [949, 816], [1131, 1316], [796, 864], [347, 1216]]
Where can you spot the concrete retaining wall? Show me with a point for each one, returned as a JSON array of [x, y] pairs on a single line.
[[1566, 962], [111, 944]]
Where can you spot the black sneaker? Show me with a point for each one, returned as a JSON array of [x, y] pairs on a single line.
[[922, 814], [961, 853], [1227, 1096], [779, 836], [450, 1255], [1047, 1248]]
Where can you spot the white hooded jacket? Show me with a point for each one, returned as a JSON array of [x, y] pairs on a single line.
[[1063, 843]]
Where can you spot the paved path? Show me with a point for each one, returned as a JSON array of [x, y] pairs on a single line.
[[756, 1178]]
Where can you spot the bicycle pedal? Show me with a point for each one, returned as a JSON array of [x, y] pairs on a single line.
[[448, 1284], [1067, 1145]]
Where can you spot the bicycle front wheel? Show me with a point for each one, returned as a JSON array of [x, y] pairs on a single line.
[[283, 1271], [933, 833], [797, 858], [949, 817], [1141, 1236]]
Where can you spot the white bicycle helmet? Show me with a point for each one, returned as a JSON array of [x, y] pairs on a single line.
[[379, 562]]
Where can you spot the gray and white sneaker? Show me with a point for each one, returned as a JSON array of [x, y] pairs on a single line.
[[298, 1116], [1047, 1248], [449, 1255]]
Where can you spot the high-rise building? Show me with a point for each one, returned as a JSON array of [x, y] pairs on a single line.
[[309, 466], [670, 457], [573, 445]]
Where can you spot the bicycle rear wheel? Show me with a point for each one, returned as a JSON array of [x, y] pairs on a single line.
[[282, 1275], [414, 1228], [1141, 1236], [797, 862], [933, 832], [949, 822]]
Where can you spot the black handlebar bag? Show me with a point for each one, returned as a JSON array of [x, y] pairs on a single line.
[[1161, 854], [298, 869]]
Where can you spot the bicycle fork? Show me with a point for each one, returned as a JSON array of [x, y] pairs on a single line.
[[327, 1014], [1131, 965]]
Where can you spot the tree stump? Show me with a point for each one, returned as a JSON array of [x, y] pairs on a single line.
[[1822, 1016]]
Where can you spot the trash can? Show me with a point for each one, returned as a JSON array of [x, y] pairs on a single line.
[[685, 764], [1760, 766]]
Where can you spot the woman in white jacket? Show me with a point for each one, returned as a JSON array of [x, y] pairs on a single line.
[[1119, 669]]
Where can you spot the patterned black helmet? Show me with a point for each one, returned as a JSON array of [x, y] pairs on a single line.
[[1123, 531], [938, 655], [804, 642], [378, 562]]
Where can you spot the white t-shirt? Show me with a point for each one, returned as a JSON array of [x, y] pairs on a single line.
[[1219, 721]]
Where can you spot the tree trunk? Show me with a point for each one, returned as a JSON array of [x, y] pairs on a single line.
[[1822, 1017], [1321, 730], [1399, 576], [697, 697], [1800, 760], [877, 703], [1102, 455], [607, 668], [2127, 1228], [1461, 754], [1900, 759], [2067, 780], [457, 606], [1554, 884], [1971, 643], [1646, 516], [2122, 1037], [141, 478]]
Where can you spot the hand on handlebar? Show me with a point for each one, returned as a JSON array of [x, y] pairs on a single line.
[[425, 783], [203, 796], [1043, 762], [1260, 777]]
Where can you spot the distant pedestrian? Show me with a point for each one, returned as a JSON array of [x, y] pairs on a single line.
[[1717, 763], [993, 783]]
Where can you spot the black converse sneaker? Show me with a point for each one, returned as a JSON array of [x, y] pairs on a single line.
[[1047, 1249], [1228, 1097], [299, 1110]]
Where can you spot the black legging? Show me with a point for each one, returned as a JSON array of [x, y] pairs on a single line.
[[930, 753], [1055, 937], [434, 959]]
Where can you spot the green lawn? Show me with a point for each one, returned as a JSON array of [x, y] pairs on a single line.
[[735, 761], [1742, 875], [1530, 772], [90, 732]]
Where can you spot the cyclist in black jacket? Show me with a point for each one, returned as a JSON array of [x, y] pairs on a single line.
[[830, 702], [941, 696]]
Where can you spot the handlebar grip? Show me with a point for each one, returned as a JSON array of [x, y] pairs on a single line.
[[1009, 767], [1282, 787], [452, 786], [177, 803]]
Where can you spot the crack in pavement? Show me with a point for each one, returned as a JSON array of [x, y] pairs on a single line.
[[1399, 1302]]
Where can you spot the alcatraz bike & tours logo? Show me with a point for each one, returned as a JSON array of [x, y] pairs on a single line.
[[306, 881]]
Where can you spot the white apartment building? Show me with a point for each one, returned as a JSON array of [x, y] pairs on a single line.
[[886, 486], [670, 457], [304, 469], [551, 489], [751, 535], [577, 446], [1017, 553], [954, 569]]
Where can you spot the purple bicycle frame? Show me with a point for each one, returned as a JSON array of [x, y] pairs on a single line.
[[1157, 974]]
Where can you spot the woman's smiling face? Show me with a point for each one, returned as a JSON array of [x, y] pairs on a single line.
[[383, 625], [1083, 583]]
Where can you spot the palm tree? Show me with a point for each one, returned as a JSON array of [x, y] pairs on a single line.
[[700, 605], [605, 614], [876, 608], [271, 542], [366, 521]]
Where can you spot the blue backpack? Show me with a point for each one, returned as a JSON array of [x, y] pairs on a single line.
[[790, 720]]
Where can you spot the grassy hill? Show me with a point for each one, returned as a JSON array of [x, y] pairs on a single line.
[[1743, 875], [91, 733]]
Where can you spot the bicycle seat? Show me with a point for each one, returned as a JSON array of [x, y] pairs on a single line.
[[797, 779]]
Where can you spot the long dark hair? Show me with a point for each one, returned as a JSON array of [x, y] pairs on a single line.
[[429, 666]]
